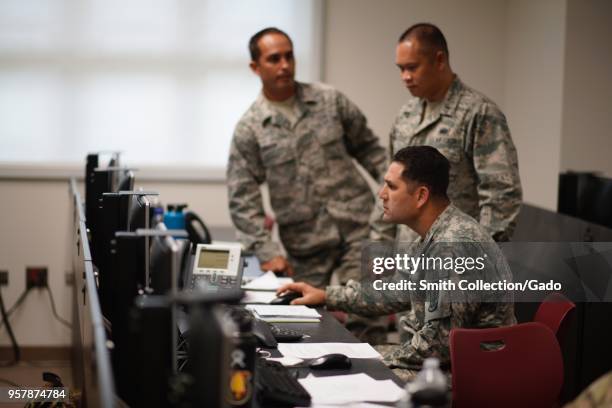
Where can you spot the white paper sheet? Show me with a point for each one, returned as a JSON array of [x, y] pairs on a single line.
[[267, 281], [343, 389], [315, 350], [258, 296], [287, 361], [284, 311], [352, 404]]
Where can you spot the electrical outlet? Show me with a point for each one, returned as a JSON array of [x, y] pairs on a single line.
[[36, 277], [3, 278]]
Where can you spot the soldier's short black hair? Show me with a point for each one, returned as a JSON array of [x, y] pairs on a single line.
[[425, 165], [429, 36], [253, 42]]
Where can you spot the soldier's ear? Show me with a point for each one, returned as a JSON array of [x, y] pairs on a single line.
[[440, 59], [422, 196], [254, 67]]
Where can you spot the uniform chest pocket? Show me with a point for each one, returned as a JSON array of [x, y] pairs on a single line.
[[449, 141], [331, 137], [277, 154], [280, 162]]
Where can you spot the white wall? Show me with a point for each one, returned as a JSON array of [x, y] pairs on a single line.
[[587, 116], [533, 87]]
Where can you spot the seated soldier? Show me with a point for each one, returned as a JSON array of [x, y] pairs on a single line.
[[414, 194]]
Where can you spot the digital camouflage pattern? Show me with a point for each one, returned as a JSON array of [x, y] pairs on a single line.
[[472, 133], [424, 330], [317, 194]]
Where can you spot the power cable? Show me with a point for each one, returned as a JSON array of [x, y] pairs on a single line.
[[59, 319], [9, 329]]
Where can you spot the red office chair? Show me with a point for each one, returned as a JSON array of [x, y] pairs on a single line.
[[553, 311], [556, 312], [526, 370]]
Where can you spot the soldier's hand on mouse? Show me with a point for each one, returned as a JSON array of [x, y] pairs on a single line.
[[310, 294]]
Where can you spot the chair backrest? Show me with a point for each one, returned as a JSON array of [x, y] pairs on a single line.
[[525, 370], [553, 311]]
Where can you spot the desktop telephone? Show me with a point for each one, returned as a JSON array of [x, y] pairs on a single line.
[[215, 268]]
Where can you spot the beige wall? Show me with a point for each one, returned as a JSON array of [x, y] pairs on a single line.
[[35, 225], [534, 52], [360, 49], [587, 112]]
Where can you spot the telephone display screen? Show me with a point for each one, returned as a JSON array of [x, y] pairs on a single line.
[[213, 259]]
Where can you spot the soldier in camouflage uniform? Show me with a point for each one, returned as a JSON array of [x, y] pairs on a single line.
[[414, 194], [465, 126], [302, 139]]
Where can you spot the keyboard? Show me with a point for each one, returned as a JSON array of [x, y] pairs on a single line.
[[282, 334], [276, 386]]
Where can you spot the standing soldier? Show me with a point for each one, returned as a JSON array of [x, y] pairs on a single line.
[[464, 125], [301, 139]]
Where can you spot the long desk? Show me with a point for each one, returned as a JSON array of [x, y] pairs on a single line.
[[330, 330]]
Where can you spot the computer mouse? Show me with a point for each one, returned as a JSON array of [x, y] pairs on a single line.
[[334, 361], [285, 298]]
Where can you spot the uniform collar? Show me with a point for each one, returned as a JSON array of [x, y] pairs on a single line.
[[453, 95], [304, 97], [448, 108], [442, 219]]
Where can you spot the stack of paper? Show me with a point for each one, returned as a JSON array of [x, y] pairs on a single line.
[[285, 314], [352, 388], [316, 350], [263, 288], [267, 281]]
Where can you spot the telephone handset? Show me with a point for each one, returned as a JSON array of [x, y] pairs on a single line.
[[196, 229]]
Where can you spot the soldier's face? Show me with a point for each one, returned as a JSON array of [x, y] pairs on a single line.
[[276, 65], [420, 72], [401, 200]]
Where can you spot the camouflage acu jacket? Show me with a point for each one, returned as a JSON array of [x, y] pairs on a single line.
[[425, 329], [471, 132], [309, 170]]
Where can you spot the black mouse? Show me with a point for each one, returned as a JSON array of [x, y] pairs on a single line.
[[285, 298], [334, 361]]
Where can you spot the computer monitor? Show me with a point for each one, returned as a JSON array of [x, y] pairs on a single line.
[[124, 180], [94, 188], [100, 182], [586, 196], [121, 286], [209, 344], [121, 211], [139, 217], [151, 353], [168, 260]]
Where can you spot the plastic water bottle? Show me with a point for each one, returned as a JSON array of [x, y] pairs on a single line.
[[174, 217], [157, 211], [428, 389], [158, 216]]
